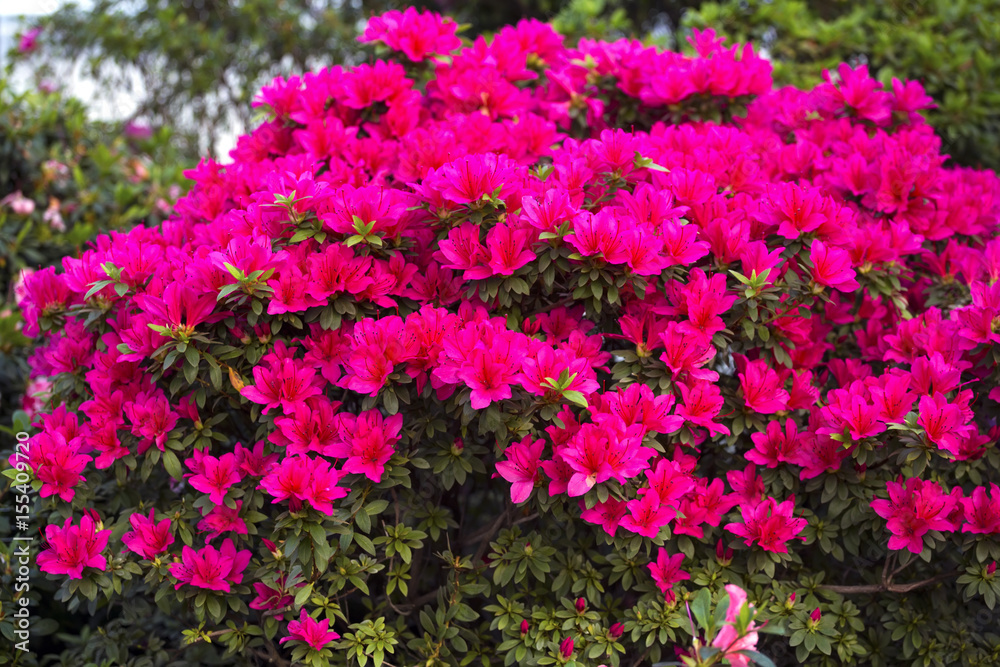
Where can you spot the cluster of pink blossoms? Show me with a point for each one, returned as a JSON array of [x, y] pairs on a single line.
[[413, 237]]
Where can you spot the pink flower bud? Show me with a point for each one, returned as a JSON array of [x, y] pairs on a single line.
[[723, 554], [991, 569], [524, 627], [581, 604], [92, 513], [272, 547], [670, 597], [815, 615], [566, 648], [531, 327], [791, 598], [616, 630]]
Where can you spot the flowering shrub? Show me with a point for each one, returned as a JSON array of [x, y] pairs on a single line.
[[500, 354]]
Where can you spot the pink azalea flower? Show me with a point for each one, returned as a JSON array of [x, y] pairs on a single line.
[[72, 549], [316, 634], [214, 476], [666, 570], [210, 568], [521, 467], [728, 639], [148, 537]]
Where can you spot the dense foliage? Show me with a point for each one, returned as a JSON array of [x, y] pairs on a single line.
[[949, 46], [64, 178], [499, 358]]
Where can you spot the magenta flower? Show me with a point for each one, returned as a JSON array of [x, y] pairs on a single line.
[[647, 515], [608, 515], [316, 634], [769, 525], [763, 389], [702, 402], [148, 537], [210, 568], [417, 34], [152, 419], [509, 249], [29, 41], [666, 570], [832, 267], [982, 511], [490, 373], [214, 475], [180, 308], [286, 384], [71, 549], [367, 442], [728, 640], [58, 464], [914, 508], [521, 467], [223, 519]]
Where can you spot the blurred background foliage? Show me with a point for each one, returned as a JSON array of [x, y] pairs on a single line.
[[65, 178], [951, 46]]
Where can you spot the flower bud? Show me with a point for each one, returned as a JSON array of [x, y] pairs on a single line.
[[458, 445], [581, 604], [670, 598], [273, 548], [723, 554], [524, 627], [566, 648], [991, 569], [815, 615], [616, 630], [92, 513]]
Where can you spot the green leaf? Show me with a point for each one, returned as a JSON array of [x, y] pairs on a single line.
[[576, 398], [172, 465], [303, 594], [96, 287], [700, 608], [363, 521], [757, 658], [365, 543]]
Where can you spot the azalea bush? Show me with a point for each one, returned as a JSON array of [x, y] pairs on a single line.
[[518, 352]]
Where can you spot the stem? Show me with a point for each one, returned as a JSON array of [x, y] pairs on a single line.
[[889, 587], [485, 543], [487, 531], [642, 657], [552, 306]]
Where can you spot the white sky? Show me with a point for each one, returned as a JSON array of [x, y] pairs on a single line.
[[100, 105], [33, 7]]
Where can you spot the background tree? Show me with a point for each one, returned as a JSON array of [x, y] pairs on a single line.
[[949, 46]]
